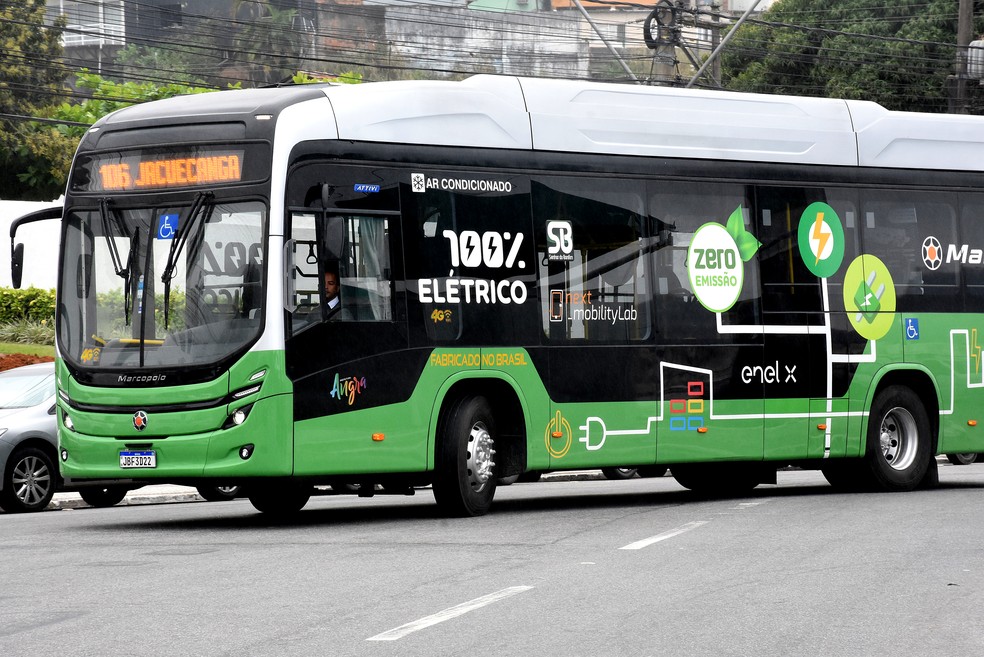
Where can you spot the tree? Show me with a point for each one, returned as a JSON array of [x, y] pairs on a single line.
[[272, 50], [31, 80], [897, 54], [44, 170]]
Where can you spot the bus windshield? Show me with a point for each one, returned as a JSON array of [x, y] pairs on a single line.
[[161, 285]]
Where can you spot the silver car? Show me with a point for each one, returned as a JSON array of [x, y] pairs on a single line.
[[28, 438]]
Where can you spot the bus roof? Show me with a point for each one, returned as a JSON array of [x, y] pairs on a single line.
[[593, 117], [489, 111]]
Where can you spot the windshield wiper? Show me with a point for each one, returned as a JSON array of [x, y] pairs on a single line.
[[201, 208], [110, 219]]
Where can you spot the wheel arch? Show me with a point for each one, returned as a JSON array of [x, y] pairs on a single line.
[[920, 381], [509, 408]]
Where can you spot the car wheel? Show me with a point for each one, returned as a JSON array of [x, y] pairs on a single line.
[[103, 497], [218, 493], [962, 459], [29, 482], [648, 471]]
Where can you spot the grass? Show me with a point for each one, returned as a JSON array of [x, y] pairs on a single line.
[[30, 349]]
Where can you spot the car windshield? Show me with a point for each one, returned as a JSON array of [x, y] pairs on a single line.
[[23, 389], [161, 286]]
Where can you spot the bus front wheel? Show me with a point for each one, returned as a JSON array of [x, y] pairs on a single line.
[[279, 499], [464, 478], [898, 448]]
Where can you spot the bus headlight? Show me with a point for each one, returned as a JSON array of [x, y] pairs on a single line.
[[237, 417], [67, 421]]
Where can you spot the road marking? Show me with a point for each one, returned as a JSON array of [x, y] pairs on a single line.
[[447, 614], [646, 542]]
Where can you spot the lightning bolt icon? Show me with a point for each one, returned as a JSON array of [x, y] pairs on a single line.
[[469, 247], [976, 350], [820, 236]]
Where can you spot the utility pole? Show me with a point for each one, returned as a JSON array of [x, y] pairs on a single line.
[[965, 24], [716, 39]]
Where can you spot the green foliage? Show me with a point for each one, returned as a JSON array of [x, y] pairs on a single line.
[[108, 96], [28, 331], [32, 304], [348, 77], [31, 78], [26, 348], [192, 64], [267, 30], [45, 150], [897, 54]]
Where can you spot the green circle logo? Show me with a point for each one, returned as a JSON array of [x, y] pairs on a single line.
[[821, 239], [715, 267], [869, 297]]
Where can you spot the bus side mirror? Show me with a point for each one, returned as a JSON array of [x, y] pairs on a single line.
[[16, 264]]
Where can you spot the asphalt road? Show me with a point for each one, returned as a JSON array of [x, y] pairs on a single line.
[[592, 568]]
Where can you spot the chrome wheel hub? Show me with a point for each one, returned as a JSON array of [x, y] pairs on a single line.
[[898, 438], [478, 461], [31, 480]]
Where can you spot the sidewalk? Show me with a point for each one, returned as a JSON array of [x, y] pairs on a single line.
[[161, 493]]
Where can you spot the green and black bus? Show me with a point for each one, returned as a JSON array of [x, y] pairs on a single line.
[[535, 275]]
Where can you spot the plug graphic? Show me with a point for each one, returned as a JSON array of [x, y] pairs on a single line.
[[867, 300]]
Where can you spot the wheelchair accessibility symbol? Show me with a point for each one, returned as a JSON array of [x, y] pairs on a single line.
[[911, 328], [167, 226]]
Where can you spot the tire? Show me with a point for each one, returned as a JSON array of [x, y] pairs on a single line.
[[507, 481], [716, 478], [899, 442], [648, 471], [280, 499], [530, 477], [29, 481], [219, 493], [618, 474], [845, 475], [103, 497], [464, 477], [962, 459]]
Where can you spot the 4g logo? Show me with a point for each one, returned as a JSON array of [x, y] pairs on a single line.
[[560, 240]]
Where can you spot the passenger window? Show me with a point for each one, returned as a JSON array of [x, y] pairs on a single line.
[[969, 251], [677, 211], [593, 276], [896, 231]]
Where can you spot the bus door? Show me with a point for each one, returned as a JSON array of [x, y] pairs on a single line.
[[347, 320], [708, 323], [596, 316], [808, 237]]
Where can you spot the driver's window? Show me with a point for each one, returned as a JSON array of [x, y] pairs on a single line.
[[307, 293]]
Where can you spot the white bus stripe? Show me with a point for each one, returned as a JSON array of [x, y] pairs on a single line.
[[646, 542], [447, 614]]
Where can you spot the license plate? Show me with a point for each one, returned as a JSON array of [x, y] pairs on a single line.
[[142, 459]]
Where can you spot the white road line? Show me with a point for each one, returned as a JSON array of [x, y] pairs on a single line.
[[447, 614], [646, 542]]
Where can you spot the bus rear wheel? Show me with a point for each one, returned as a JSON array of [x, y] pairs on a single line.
[[716, 478], [899, 441], [464, 477], [279, 499]]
